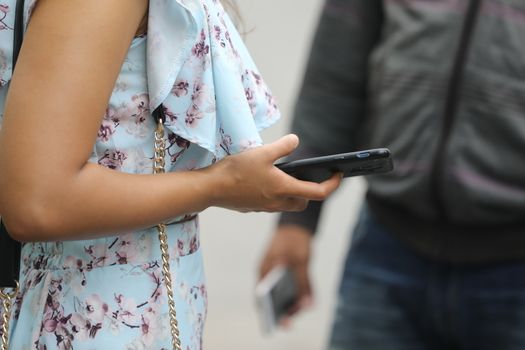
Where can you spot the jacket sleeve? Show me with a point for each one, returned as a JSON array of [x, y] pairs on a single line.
[[333, 98]]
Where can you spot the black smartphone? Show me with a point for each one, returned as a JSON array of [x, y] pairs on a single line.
[[318, 169], [275, 295]]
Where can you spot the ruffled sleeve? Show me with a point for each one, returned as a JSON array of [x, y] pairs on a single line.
[[201, 72], [199, 69]]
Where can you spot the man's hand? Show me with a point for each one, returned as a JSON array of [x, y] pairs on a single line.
[[291, 247]]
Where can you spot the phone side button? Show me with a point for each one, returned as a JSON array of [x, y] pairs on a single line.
[[363, 155]]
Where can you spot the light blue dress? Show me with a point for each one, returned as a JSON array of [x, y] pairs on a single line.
[[107, 293]]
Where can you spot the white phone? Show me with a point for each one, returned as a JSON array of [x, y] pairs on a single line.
[[275, 294]]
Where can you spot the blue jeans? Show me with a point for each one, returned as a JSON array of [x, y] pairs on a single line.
[[394, 299]]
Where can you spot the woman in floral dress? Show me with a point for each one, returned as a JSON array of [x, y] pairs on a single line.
[[76, 160]]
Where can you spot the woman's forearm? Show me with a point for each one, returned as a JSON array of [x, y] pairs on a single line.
[[99, 201], [95, 201]]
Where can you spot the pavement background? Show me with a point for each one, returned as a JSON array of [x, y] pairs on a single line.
[[279, 34]]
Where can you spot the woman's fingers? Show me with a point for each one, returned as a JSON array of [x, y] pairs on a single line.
[[295, 204], [301, 192], [314, 191], [287, 204], [332, 183]]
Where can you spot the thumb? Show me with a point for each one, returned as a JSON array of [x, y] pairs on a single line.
[[282, 147]]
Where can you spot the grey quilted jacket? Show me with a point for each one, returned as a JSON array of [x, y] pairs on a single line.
[[442, 84]]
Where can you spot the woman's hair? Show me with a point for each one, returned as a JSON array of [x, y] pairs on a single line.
[[233, 10], [230, 5]]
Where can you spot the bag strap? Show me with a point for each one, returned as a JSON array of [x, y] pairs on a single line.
[[159, 168], [19, 30], [9, 248]]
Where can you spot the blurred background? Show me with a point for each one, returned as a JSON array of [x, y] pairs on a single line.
[[279, 37]]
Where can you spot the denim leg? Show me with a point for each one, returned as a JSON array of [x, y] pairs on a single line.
[[393, 299], [384, 295], [493, 307]]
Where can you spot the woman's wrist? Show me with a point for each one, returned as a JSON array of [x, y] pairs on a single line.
[[216, 182]]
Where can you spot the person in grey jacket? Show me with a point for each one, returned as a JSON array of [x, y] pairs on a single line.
[[437, 259]]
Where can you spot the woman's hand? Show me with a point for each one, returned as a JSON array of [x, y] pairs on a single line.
[[250, 182]]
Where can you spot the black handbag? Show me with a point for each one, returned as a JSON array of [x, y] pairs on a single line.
[[9, 248], [9, 259]]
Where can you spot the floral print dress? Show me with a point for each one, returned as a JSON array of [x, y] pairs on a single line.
[[108, 292]]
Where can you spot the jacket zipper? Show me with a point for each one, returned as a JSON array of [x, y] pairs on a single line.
[[451, 105]]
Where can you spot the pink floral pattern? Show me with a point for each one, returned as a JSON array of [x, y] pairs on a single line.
[[109, 292], [4, 11], [6, 28]]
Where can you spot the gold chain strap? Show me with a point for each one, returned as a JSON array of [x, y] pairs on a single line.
[[7, 303], [158, 168]]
